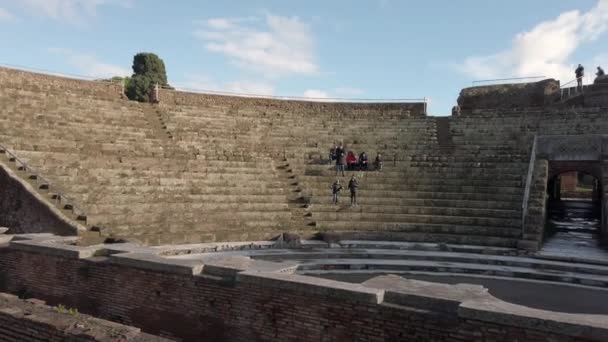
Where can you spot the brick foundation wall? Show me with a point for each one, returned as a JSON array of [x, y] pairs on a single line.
[[32, 320], [165, 300]]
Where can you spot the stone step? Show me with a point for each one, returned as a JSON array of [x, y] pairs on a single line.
[[321, 266], [431, 210], [430, 228]]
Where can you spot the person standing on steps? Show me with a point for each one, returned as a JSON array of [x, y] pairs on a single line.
[[378, 163], [580, 73], [333, 153], [340, 162], [340, 150], [335, 190], [352, 186]]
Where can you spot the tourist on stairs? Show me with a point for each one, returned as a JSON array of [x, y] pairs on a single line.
[[363, 161], [335, 190], [352, 186], [340, 164], [351, 160], [378, 163], [332, 153]]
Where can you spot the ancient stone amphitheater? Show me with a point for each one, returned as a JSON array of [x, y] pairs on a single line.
[[209, 218]]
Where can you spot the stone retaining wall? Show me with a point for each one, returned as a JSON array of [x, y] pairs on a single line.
[[32, 320], [171, 97], [239, 299]]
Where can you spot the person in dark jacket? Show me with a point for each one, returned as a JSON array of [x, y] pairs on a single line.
[[352, 186], [335, 190], [600, 72], [378, 163], [340, 162], [333, 153], [340, 149], [580, 73], [363, 161]]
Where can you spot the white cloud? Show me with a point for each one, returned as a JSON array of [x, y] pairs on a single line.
[[250, 87], [73, 11], [202, 83], [545, 49], [89, 65], [6, 16], [316, 94], [282, 45]]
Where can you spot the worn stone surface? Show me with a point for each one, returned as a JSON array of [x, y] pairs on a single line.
[[521, 95]]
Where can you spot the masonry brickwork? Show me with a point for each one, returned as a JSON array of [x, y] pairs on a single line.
[[217, 302], [33, 321]]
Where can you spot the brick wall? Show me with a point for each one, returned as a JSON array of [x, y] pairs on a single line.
[[32, 320], [251, 307]]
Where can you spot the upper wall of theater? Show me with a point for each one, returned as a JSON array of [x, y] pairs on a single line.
[[107, 90], [504, 96]]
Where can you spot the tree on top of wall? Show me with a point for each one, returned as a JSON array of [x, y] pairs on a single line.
[[148, 70]]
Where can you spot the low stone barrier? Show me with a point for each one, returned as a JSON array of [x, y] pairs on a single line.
[[235, 298]]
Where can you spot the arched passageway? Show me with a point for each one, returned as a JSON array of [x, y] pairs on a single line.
[[574, 211]]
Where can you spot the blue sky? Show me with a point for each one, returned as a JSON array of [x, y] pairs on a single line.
[[386, 49]]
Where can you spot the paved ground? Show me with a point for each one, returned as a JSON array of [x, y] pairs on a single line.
[[563, 298]]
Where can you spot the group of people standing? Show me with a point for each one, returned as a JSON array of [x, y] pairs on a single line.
[[349, 161], [580, 73], [352, 186]]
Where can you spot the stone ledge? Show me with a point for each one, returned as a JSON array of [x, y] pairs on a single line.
[[232, 265], [313, 286], [425, 295], [55, 249], [157, 263]]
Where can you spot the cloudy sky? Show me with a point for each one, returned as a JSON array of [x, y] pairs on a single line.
[[386, 49]]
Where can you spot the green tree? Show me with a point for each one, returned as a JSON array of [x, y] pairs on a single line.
[[148, 70]]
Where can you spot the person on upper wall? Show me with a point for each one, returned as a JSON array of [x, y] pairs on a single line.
[[600, 72], [580, 73]]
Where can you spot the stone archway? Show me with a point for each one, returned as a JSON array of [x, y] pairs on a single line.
[[577, 153]]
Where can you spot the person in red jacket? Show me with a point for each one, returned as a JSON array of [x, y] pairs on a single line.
[[351, 160]]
